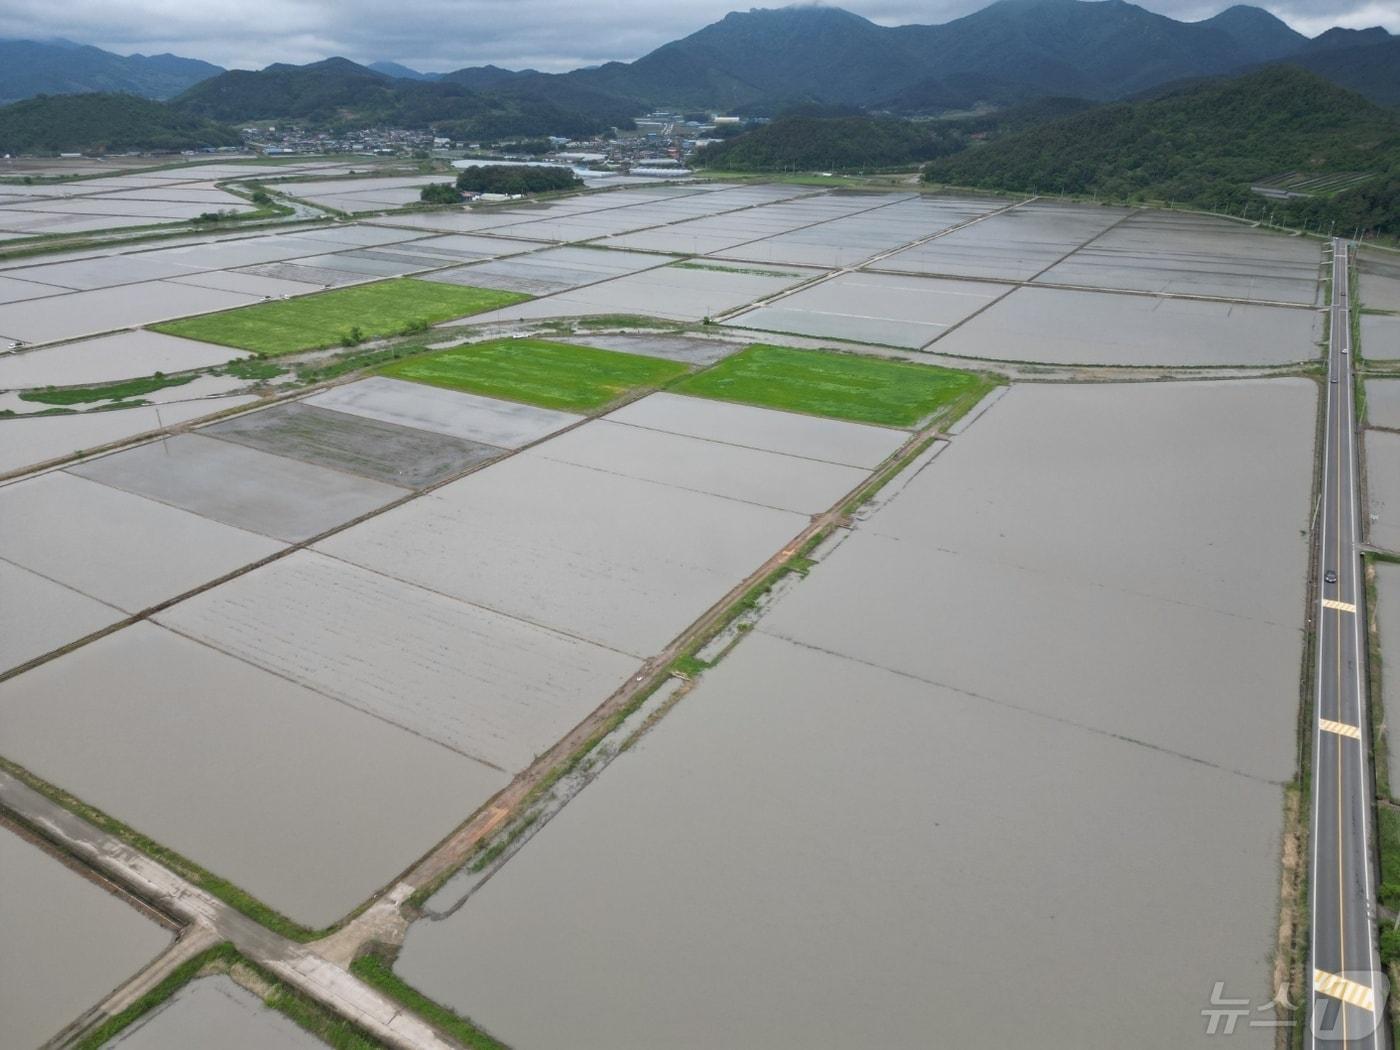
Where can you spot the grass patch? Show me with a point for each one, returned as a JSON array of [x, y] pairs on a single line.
[[310, 1015], [1380, 734], [554, 375], [504, 842], [842, 386], [77, 395], [174, 981], [342, 317], [251, 368], [375, 972], [1388, 833]]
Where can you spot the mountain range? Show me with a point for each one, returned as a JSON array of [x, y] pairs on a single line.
[[61, 67], [1370, 66], [762, 60], [1100, 50]]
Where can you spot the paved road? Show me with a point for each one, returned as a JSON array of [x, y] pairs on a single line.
[[1347, 993]]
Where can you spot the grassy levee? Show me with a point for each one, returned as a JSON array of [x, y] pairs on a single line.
[[1388, 847], [376, 972], [79, 395], [29, 246], [553, 375], [329, 1027], [344, 364], [174, 981], [232, 895], [596, 321], [752, 269], [1354, 298], [847, 386], [1380, 734], [340, 317]]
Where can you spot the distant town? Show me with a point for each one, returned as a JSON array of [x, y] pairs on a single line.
[[660, 146]]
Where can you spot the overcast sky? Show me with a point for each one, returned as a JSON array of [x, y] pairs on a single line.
[[442, 35]]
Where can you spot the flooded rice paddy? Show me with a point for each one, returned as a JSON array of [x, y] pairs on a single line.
[[486, 420], [619, 561], [1383, 488], [396, 455], [39, 615], [1383, 403], [249, 489], [114, 546], [65, 942], [258, 779], [1380, 336], [892, 787], [42, 439], [492, 687], [750, 475], [1055, 326], [810, 437]]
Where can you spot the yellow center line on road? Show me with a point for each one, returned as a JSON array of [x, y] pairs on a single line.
[[1340, 728], [1334, 409], [1332, 603], [1348, 991]]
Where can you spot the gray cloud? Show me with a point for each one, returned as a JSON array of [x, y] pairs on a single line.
[[443, 35]]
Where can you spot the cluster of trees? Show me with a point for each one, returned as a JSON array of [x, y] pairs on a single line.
[[516, 178], [440, 193], [102, 123], [1204, 146], [501, 178], [1373, 206], [534, 147], [831, 143]]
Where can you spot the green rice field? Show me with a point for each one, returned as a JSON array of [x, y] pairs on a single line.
[[343, 316], [842, 386], [553, 375]]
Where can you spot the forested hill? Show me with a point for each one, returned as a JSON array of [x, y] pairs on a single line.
[[813, 138], [337, 91], [60, 67], [842, 143], [1371, 68], [101, 123], [1203, 145]]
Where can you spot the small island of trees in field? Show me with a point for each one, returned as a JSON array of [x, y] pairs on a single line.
[[512, 179]]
